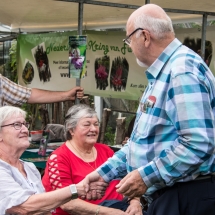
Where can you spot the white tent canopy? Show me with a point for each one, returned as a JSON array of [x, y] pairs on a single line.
[[50, 15]]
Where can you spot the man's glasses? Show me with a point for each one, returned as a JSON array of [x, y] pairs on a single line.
[[127, 40], [18, 125]]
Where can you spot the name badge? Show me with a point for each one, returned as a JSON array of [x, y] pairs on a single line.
[[149, 103]]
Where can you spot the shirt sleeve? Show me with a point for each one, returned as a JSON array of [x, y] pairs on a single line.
[[12, 194], [59, 170], [189, 109], [114, 167], [12, 93]]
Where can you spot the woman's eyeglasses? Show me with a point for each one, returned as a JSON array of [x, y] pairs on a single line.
[[18, 125]]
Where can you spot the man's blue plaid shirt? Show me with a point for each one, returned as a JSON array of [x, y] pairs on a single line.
[[174, 140]]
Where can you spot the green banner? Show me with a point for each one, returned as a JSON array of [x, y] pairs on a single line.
[[109, 66]]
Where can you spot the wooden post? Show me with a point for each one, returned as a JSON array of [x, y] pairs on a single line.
[[54, 118], [61, 113], [105, 118], [92, 105], [85, 100], [44, 116], [33, 115], [68, 104], [120, 130]]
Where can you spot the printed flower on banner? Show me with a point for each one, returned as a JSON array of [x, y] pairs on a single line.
[[102, 65], [101, 72], [119, 74], [77, 62], [42, 62], [28, 73], [116, 81], [76, 59]]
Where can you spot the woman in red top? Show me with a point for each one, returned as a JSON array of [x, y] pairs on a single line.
[[76, 158]]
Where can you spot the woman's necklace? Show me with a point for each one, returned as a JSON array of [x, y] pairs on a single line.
[[79, 153]]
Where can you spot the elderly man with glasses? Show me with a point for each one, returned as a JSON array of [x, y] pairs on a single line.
[[169, 157]]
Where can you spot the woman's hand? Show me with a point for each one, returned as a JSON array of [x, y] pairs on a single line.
[[80, 207], [134, 207], [111, 211], [95, 190], [94, 185]]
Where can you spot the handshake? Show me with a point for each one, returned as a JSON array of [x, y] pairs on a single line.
[[92, 187]]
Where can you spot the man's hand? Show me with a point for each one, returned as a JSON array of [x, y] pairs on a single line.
[[125, 141], [94, 185], [132, 185], [76, 92]]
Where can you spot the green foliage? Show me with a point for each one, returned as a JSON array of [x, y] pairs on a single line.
[[11, 67], [128, 120], [109, 136], [13, 61], [195, 25], [91, 98], [32, 113], [212, 22]]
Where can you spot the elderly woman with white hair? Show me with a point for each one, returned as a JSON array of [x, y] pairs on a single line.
[[20, 182]]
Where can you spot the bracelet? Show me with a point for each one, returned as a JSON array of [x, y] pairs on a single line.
[[97, 210], [141, 205]]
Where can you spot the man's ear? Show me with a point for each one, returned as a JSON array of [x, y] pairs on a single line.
[[147, 37]]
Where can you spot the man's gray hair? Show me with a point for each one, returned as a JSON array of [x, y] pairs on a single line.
[[158, 27], [6, 112], [74, 114]]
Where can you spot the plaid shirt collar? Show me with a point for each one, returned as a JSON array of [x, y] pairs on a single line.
[[154, 70]]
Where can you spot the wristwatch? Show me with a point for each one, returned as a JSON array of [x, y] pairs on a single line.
[[74, 191]]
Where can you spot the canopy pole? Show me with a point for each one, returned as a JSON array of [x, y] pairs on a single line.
[[204, 27], [80, 17], [80, 29]]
